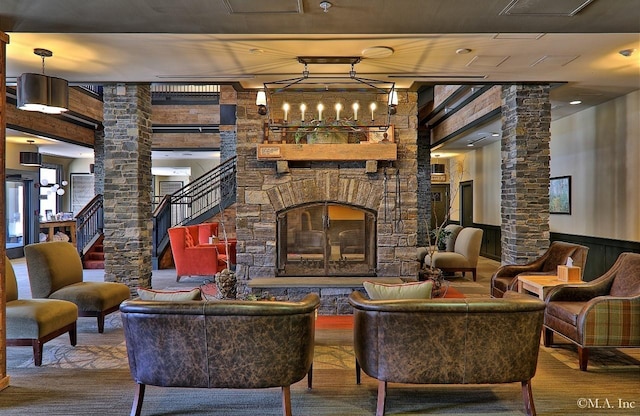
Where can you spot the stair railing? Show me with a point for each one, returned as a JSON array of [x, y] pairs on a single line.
[[200, 199], [89, 223]]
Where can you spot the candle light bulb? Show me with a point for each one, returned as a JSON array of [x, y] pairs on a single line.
[[355, 106], [303, 108], [285, 107], [372, 106], [320, 108], [338, 108]]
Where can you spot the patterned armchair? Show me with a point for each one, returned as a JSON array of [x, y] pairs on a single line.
[[602, 313], [506, 276]]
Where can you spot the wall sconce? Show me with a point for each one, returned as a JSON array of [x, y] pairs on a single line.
[[261, 102], [31, 158], [393, 102], [39, 92]]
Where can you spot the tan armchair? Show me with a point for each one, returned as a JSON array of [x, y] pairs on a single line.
[[55, 272], [506, 277], [465, 256], [36, 321], [603, 313]]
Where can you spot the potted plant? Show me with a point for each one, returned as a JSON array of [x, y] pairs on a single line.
[[438, 238]]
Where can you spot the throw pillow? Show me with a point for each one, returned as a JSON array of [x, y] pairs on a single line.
[[188, 239], [169, 295], [380, 291]]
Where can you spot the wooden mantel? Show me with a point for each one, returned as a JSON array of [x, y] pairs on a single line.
[[328, 152]]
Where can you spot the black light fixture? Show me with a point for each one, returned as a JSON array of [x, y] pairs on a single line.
[[31, 158], [39, 92]]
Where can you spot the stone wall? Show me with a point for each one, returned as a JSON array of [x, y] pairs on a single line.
[[262, 193], [526, 123]]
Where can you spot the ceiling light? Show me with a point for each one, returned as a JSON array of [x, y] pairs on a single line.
[[31, 158], [627, 52], [39, 92], [575, 102], [463, 51], [325, 5]]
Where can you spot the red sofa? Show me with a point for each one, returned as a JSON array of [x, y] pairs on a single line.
[[192, 253]]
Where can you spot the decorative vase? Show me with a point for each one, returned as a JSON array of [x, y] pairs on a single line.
[[226, 281], [436, 277]]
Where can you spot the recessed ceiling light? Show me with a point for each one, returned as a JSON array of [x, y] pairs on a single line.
[[256, 51], [377, 52], [627, 52], [495, 134], [463, 51], [575, 102]]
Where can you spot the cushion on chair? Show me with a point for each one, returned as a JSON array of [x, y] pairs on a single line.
[[565, 311], [52, 266], [169, 295], [35, 318], [93, 296], [445, 259], [413, 290], [188, 240]]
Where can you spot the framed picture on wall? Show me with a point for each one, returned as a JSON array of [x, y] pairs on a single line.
[[82, 190], [560, 195], [169, 187]]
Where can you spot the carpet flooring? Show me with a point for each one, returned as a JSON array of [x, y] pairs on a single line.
[[93, 379]]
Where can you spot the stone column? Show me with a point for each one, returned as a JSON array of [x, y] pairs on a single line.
[[127, 184], [526, 123], [98, 162], [424, 188]]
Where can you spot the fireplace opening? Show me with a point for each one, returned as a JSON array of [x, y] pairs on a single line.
[[326, 239]]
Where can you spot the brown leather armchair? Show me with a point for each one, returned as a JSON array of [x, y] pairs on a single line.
[[506, 277], [602, 313]]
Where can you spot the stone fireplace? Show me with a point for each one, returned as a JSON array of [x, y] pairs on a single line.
[[326, 219]]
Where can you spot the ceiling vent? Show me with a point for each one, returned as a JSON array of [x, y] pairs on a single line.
[[565, 8], [264, 7]]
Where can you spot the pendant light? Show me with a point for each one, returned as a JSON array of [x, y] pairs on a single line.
[[31, 158], [39, 92]]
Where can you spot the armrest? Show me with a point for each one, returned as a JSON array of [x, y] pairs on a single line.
[[610, 321], [515, 269], [578, 293]]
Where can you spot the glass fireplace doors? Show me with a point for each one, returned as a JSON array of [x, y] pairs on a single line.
[[326, 239]]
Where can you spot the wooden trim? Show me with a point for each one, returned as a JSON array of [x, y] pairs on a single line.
[[328, 152]]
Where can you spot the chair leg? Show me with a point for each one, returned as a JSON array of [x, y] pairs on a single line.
[[136, 407], [286, 400], [382, 397], [547, 337], [527, 397], [73, 335], [101, 322], [473, 272], [37, 352], [358, 371], [310, 377], [583, 357]]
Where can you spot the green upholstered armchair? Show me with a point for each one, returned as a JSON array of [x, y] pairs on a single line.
[[599, 314], [506, 277], [36, 321], [55, 272]]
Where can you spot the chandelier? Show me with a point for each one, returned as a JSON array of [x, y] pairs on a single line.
[[336, 102]]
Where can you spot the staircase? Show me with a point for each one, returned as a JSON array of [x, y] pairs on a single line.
[[94, 258]]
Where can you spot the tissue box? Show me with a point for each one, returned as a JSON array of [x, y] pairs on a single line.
[[569, 274]]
